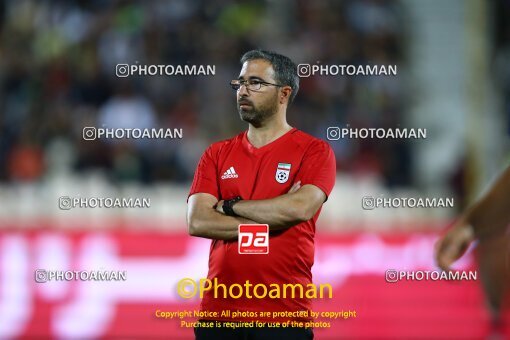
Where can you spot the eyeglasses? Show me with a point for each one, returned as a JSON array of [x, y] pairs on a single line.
[[252, 84]]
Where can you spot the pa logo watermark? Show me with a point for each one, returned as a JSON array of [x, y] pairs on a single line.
[[253, 239]]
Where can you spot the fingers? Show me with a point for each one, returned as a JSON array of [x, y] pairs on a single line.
[[453, 245], [295, 187], [219, 206], [444, 253]]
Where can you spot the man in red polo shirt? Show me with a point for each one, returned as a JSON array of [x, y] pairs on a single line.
[[271, 174]]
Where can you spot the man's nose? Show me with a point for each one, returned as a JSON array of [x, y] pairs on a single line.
[[243, 91]]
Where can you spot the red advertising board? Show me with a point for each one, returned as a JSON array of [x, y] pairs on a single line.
[[355, 265]]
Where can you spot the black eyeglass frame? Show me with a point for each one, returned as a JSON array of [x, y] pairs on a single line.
[[240, 83]]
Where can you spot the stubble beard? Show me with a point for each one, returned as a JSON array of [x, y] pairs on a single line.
[[256, 116]]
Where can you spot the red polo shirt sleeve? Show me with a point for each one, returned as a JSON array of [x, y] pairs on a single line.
[[318, 167], [206, 178]]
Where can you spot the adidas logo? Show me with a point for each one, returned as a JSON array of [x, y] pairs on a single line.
[[230, 173]]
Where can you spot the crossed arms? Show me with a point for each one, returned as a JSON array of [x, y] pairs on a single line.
[[205, 216]]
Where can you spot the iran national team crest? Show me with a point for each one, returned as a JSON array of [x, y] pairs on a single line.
[[282, 172]]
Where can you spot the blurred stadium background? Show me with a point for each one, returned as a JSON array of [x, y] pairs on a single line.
[[57, 75]]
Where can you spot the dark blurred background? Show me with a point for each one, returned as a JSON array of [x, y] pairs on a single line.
[[58, 75]]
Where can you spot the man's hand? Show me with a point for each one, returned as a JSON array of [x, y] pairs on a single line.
[[204, 221], [295, 187], [219, 207], [488, 217], [454, 244]]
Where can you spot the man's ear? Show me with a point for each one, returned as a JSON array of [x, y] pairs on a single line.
[[285, 94]]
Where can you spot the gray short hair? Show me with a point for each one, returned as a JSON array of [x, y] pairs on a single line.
[[284, 68]]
